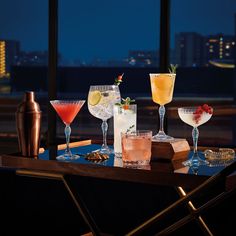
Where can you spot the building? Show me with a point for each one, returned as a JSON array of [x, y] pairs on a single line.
[[141, 58], [2, 59], [219, 48], [34, 58], [195, 50], [9, 50], [189, 49]]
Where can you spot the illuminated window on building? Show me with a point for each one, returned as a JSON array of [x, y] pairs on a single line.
[[2, 59]]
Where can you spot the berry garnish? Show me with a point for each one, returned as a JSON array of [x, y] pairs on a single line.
[[200, 110], [119, 79], [125, 103], [125, 106]]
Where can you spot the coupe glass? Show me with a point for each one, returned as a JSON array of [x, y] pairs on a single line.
[[67, 110], [162, 86], [101, 99], [190, 116]]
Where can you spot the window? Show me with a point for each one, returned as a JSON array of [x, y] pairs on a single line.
[[99, 40], [109, 33], [203, 45], [23, 56]]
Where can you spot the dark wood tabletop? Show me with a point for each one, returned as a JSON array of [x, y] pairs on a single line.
[[160, 172]]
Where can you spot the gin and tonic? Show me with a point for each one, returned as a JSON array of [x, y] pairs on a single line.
[[101, 99]]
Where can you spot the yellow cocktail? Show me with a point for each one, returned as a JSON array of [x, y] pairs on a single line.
[[162, 86]]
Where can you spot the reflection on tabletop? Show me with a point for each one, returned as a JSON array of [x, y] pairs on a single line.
[[119, 163], [210, 169], [155, 165]]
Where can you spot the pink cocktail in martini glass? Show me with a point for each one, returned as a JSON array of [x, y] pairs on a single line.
[[67, 110]]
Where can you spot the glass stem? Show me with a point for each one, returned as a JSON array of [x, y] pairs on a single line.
[[67, 134], [104, 132], [162, 112], [195, 134]]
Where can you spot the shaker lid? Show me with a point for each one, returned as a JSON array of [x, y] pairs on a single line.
[[28, 104]]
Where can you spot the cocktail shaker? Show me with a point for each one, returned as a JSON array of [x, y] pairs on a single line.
[[28, 124]]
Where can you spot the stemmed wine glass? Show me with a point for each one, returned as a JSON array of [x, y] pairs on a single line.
[[162, 86], [101, 99], [195, 116], [67, 110]]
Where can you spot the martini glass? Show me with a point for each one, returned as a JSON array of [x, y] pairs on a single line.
[[101, 99], [67, 110], [162, 86], [195, 116]]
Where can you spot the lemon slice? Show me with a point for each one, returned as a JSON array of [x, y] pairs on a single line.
[[94, 97]]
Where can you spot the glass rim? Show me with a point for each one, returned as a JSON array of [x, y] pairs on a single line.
[[165, 73], [130, 105], [190, 108], [67, 101], [137, 132], [103, 86]]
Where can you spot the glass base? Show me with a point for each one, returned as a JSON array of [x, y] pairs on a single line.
[[195, 161], [67, 157], [136, 166], [137, 163], [194, 164], [162, 137], [105, 150]]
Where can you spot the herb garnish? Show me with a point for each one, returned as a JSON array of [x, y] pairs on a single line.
[[129, 129], [172, 68], [125, 102]]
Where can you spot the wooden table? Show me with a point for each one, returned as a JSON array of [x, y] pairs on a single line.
[[159, 173]]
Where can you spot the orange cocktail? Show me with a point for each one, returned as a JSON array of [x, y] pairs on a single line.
[[162, 86]]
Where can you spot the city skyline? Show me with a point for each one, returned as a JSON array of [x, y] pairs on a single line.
[[107, 34], [191, 50]]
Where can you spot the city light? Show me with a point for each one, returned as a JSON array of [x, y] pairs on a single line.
[[2, 59]]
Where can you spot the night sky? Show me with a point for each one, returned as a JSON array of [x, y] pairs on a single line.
[[106, 29]]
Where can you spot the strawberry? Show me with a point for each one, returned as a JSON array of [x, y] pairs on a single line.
[[119, 78]]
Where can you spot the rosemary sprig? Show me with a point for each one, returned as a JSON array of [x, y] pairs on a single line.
[[125, 102], [172, 68], [129, 129]]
